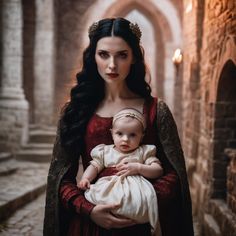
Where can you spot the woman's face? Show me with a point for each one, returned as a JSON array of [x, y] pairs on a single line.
[[114, 58]]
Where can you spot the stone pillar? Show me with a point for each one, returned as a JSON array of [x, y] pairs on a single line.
[[44, 63], [13, 106]]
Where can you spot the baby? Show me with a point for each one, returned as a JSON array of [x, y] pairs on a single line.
[[129, 187]]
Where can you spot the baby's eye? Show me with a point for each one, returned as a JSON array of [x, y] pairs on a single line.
[[119, 133], [132, 135]]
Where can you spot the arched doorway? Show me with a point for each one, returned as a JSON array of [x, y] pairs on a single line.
[[223, 175], [224, 128]]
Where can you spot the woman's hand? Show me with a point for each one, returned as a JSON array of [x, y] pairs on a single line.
[[127, 168], [102, 216]]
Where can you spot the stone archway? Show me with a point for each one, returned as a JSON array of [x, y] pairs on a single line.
[[223, 99], [224, 127], [222, 194], [222, 134]]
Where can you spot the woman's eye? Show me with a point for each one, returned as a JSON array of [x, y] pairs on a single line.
[[119, 133], [103, 55], [123, 55]]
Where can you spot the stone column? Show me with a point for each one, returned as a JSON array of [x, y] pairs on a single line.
[[13, 106], [44, 63]]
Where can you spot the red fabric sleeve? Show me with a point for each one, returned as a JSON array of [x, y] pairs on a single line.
[[167, 187], [71, 197], [168, 194]]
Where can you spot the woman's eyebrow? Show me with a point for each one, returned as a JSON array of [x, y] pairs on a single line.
[[102, 50], [122, 51]]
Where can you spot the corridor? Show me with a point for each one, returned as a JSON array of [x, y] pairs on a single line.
[[190, 55]]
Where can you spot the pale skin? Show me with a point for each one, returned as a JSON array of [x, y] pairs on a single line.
[[113, 55]]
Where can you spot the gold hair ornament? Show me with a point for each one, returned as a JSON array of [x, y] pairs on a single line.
[[130, 112], [93, 28], [136, 30]]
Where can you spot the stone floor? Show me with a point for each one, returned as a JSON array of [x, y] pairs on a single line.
[[21, 182], [28, 221]]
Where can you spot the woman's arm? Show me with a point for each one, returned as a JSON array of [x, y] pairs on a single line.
[[62, 194], [169, 152], [167, 186], [71, 197], [172, 189]]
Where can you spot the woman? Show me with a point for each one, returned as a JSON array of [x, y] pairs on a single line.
[[112, 78]]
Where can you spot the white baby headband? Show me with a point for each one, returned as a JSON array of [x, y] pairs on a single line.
[[130, 112]]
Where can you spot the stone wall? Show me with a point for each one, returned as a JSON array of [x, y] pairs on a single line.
[[14, 125], [211, 59], [192, 22], [44, 63], [13, 106], [70, 18]]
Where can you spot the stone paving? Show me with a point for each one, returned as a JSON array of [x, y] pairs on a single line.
[[28, 221], [21, 186]]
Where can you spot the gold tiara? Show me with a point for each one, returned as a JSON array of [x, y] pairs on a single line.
[[133, 27], [93, 28], [136, 30]]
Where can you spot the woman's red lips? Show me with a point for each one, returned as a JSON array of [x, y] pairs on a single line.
[[113, 75]]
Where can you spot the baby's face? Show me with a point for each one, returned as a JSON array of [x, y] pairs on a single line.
[[127, 134]]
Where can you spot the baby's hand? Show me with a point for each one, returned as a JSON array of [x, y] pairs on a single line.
[[126, 169], [84, 184]]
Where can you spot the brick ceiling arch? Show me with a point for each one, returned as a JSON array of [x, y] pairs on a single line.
[[159, 22], [165, 13], [228, 52], [227, 82]]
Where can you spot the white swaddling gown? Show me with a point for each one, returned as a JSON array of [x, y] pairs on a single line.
[[135, 194]]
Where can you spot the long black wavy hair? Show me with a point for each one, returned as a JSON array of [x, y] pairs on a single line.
[[89, 90]]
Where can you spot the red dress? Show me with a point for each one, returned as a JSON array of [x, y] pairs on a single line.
[[166, 187]]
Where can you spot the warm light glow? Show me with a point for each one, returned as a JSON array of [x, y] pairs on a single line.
[[178, 57], [189, 7]]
